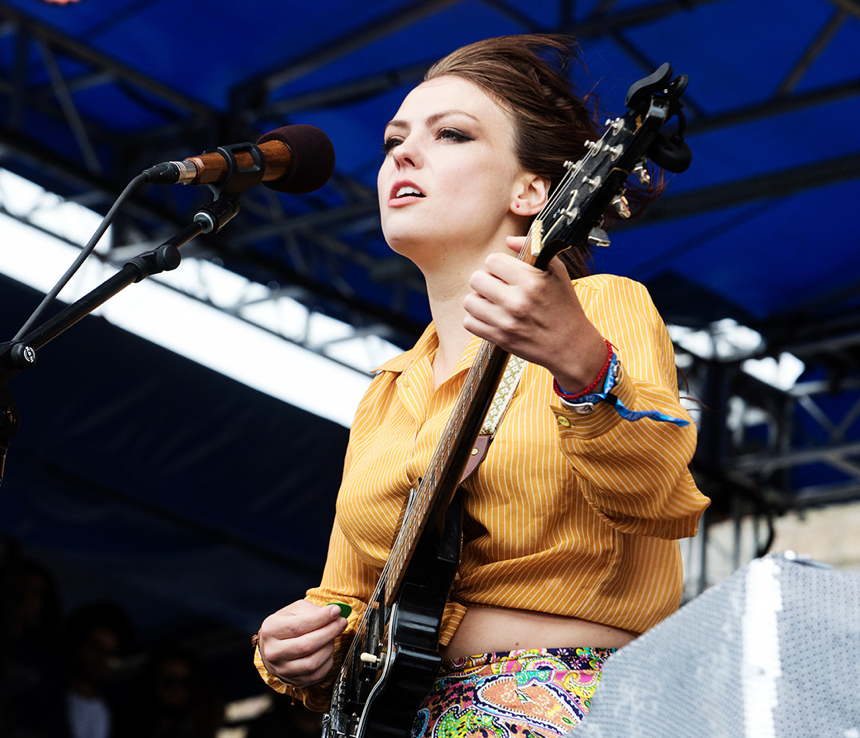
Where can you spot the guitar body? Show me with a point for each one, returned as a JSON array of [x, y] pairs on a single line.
[[382, 698]]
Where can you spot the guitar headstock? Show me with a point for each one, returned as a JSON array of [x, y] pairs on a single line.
[[598, 180]]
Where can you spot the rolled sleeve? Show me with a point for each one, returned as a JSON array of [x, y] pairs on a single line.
[[635, 474]]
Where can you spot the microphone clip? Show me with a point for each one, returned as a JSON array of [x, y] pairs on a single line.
[[239, 178]]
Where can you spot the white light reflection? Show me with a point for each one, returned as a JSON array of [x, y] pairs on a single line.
[[234, 335]]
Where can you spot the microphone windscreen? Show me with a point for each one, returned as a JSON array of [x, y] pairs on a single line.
[[312, 161]]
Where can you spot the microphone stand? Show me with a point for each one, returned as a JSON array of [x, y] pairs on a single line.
[[20, 354]]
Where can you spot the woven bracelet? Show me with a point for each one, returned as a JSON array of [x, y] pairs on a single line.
[[587, 391]]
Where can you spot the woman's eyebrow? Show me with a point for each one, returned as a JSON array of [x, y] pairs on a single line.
[[436, 117], [431, 120]]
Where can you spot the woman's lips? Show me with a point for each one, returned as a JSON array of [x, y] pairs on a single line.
[[405, 192]]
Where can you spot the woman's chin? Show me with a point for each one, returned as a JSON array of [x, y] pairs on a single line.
[[408, 243]]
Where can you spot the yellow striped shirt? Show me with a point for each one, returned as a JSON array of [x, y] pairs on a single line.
[[568, 514]]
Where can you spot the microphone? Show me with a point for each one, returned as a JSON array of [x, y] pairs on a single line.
[[294, 159]]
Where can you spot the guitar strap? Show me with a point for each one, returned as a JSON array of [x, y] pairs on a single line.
[[500, 402]]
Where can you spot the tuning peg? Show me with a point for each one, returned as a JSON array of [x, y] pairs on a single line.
[[598, 238], [642, 173], [622, 207], [593, 182], [614, 125]]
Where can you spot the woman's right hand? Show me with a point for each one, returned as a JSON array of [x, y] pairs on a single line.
[[297, 642]]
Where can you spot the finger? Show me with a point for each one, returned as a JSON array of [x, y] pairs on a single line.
[[486, 286], [301, 645], [482, 315], [302, 656], [515, 243], [299, 618], [509, 268], [517, 287], [306, 670], [496, 303]]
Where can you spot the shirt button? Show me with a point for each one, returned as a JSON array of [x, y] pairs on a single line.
[[562, 421]]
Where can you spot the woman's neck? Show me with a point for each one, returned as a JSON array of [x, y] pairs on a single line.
[[446, 273], [453, 338], [446, 290]]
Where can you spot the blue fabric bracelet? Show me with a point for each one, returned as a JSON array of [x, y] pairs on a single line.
[[607, 396]]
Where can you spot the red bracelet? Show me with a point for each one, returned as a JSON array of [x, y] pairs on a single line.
[[600, 377]]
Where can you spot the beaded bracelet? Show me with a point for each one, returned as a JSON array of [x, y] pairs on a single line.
[[570, 397]]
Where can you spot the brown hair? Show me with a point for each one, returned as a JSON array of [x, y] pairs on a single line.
[[551, 121], [526, 75]]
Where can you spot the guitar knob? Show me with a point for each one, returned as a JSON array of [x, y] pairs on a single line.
[[622, 207], [614, 125], [370, 659], [615, 151], [594, 182], [598, 238], [642, 173]]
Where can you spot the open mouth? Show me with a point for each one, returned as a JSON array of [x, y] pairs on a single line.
[[408, 191]]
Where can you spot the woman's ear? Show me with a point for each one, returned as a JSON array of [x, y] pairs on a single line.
[[530, 194]]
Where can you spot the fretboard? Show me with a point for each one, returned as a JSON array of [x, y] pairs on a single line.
[[452, 453]]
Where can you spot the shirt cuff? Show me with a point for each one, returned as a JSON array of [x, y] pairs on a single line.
[[270, 679], [316, 698], [611, 396]]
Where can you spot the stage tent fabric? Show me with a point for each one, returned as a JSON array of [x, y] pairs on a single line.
[[200, 504]]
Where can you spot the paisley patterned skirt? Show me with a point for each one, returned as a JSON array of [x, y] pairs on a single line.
[[536, 693]]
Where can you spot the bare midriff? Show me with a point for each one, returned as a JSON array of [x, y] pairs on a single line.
[[493, 629]]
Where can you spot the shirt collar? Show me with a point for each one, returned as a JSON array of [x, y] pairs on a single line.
[[426, 347]]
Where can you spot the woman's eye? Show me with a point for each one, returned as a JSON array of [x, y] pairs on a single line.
[[452, 134], [390, 143]]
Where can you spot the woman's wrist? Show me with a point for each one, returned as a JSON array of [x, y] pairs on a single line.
[[597, 383]]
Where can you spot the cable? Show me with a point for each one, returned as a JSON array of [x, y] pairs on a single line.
[[87, 250]]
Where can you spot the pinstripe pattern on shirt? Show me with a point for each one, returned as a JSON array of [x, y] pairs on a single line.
[[568, 514]]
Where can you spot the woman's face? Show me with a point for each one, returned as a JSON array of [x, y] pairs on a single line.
[[450, 174]]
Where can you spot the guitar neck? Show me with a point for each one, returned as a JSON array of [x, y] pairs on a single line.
[[442, 476], [445, 470]]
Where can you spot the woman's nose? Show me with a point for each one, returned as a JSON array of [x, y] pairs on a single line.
[[407, 153]]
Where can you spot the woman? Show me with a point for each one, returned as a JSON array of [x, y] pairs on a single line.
[[568, 550]]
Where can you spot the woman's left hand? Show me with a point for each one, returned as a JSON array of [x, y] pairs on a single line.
[[535, 315]]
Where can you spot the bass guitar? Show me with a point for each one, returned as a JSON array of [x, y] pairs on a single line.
[[394, 656]]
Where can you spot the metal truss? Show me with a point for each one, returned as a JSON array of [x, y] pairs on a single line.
[[764, 451], [790, 448], [325, 250]]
